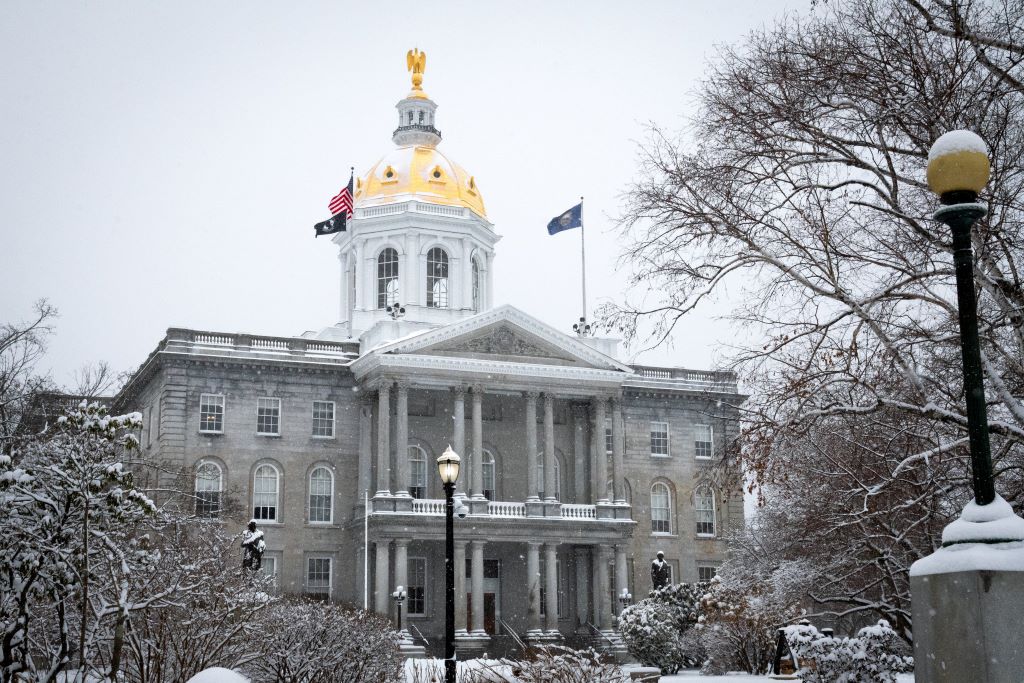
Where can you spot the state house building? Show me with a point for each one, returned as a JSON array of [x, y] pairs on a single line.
[[577, 467]]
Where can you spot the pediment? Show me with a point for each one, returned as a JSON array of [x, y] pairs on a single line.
[[501, 341], [504, 334]]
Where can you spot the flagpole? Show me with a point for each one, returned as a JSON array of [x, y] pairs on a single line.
[[583, 263]]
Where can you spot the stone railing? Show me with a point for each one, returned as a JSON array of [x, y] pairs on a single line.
[[703, 379], [572, 511], [283, 346], [428, 506], [503, 509], [420, 207]]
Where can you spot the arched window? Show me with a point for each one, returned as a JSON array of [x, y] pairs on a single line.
[[540, 476], [476, 286], [387, 278], [265, 493], [417, 472], [209, 484], [661, 509], [321, 495], [437, 278], [704, 505], [488, 475]]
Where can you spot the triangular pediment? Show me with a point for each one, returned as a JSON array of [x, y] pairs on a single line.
[[504, 334]]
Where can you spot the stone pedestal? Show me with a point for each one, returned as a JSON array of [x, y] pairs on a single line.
[[471, 645], [409, 649], [968, 598]]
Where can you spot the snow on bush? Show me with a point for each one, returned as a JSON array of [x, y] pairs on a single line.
[[741, 612], [218, 674], [306, 641], [656, 629], [874, 655], [544, 664]]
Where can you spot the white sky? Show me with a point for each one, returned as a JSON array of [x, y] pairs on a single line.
[[163, 163]]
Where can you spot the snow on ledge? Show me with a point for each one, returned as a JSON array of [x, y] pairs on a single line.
[[218, 674], [957, 141], [984, 538]]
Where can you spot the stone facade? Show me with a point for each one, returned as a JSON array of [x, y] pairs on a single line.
[[473, 388]]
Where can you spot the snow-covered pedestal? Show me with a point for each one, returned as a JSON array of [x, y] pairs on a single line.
[[968, 600]]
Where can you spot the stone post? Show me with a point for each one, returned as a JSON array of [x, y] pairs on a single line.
[[402, 439], [550, 484], [460, 588], [532, 486], [381, 594], [599, 453], [551, 588], [402, 576], [459, 436], [533, 580], [477, 578], [384, 439]]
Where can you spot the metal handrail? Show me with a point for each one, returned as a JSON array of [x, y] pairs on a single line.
[[515, 636], [600, 633], [425, 641]]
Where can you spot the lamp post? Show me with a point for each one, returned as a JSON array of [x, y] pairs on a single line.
[[448, 469], [967, 596], [399, 596], [625, 597], [958, 170]]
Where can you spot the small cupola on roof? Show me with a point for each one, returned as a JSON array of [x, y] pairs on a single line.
[[416, 111]]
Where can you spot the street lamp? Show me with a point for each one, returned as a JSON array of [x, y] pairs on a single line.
[[399, 596], [625, 597], [396, 311], [958, 170], [448, 468], [582, 328]]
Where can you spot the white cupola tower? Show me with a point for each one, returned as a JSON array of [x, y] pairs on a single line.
[[419, 250]]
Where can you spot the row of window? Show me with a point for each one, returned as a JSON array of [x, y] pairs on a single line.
[[268, 416], [209, 487], [268, 423], [437, 268]]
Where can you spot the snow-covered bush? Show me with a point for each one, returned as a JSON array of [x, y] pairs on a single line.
[[656, 628], [304, 641], [740, 614], [874, 655], [557, 664], [70, 546]]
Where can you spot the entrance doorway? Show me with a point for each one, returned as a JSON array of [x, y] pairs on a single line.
[[492, 596]]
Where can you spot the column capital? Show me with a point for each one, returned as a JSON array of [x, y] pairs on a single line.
[[534, 545], [551, 545], [478, 390], [579, 410], [403, 386], [478, 544], [458, 390], [549, 396], [404, 543], [531, 394], [604, 552], [382, 542], [616, 402], [383, 384]]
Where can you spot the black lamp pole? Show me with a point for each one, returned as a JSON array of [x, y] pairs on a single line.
[[960, 214], [449, 579]]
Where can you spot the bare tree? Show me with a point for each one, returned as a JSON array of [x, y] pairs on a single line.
[[804, 196], [22, 344]]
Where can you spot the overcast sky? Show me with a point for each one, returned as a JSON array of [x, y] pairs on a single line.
[[163, 163]]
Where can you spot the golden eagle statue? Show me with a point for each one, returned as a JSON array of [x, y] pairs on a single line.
[[417, 64]]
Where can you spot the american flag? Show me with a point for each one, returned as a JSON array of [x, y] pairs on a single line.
[[342, 201]]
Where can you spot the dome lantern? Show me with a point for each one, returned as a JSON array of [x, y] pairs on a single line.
[[416, 111]]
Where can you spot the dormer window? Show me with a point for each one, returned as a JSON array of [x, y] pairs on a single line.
[[436, 173], [389, 173]]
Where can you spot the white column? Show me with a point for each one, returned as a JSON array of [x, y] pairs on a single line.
[[550, 485], [581, 570], [551, 587], [384, 439], [460, 586], [466, 272], [602, 590], [402, 438], [365, 444], [617, 444], [599, 452], [402, 575], [621, 575], [477, 485], [459, 433], [533, 580], [531, 446], [381, 596], [477, 563]]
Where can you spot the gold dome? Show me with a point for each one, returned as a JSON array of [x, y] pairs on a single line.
[[419, 172]]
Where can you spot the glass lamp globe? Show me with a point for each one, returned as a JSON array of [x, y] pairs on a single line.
[[958, 166], [448, 466]]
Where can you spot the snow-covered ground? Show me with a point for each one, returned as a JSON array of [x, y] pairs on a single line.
[[695, 677]]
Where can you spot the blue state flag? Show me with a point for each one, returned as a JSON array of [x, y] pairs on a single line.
[[573, 218]]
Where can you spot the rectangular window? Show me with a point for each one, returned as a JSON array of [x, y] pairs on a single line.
[[152, 423], [318, 578], [323, 419], [211, 413], [703, 441], [705, 574], [609, 440], [659, 439], [270, 568], [268, 416], [417, 588]]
